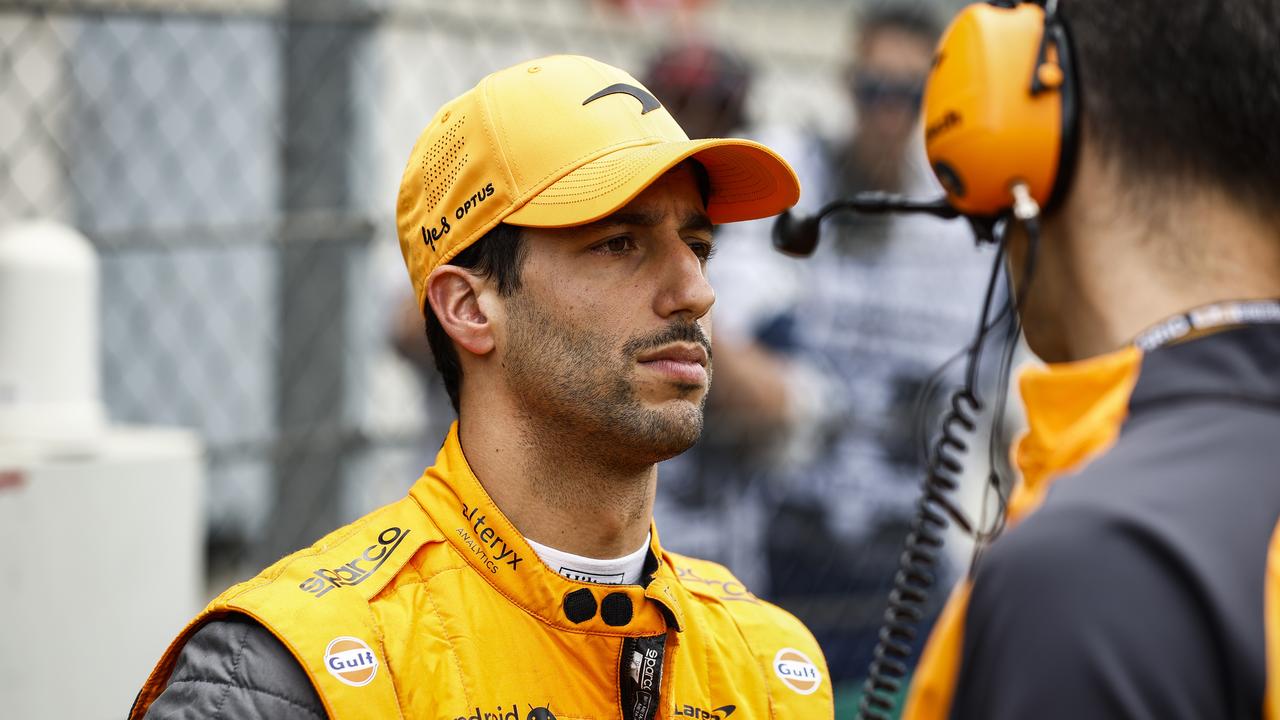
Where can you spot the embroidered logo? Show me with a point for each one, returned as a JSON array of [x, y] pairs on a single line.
[[359, 568], [697, 713], [535, 713], [797, 671], [722, 589], [648, 102], [351, 661], [489, 547]]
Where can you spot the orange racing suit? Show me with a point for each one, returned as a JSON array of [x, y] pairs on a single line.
[[436, 607]]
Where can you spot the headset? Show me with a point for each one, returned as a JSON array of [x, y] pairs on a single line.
[[999, 118], [1000, 122]]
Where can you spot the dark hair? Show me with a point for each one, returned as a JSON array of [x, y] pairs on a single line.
[[1186, 90], [498, 254], [914, 18]]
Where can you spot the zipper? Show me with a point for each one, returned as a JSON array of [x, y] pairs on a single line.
[[640, 676]]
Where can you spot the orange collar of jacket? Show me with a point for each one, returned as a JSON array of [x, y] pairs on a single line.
[[1074, 413], [457, 503]]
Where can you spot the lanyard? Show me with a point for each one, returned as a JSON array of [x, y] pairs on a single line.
[[1208, 317]]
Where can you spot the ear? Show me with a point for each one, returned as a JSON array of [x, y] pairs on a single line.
[[455, 297]]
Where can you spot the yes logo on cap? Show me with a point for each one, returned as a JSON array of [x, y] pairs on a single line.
[[351, 661], [797, 671]]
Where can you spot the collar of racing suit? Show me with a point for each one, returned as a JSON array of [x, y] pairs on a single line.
[[1075, 410], [1074, 413], [451, 495]]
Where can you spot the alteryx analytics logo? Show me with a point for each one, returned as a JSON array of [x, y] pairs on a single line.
[[697, 713], [359, 568], [485, 543], [351, 661], [797, 671]]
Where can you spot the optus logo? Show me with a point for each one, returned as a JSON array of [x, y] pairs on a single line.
[[797, 671], [351, 661]]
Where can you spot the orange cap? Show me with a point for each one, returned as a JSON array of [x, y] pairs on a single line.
[[557, 142]]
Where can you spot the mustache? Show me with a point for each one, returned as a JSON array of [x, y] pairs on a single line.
[[676, 332]]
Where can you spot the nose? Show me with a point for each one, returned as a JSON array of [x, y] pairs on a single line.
[[684, 292]]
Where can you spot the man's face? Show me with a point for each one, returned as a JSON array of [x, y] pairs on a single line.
[[608, 334], [887, 82]]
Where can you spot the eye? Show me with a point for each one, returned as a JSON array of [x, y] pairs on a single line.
[[619, 245], [704, 249]]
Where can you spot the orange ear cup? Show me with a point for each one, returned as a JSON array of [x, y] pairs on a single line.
[[985, 130]]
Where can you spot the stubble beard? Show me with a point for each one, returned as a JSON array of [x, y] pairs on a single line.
[[575, 385]]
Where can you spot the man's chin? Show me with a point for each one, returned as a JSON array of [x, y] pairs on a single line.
[[671, 427]]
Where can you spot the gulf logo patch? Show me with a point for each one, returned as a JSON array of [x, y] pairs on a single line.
[[351, 661], [797, 671]]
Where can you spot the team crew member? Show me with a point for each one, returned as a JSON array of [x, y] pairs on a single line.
[[556, 223], [1140, 577]]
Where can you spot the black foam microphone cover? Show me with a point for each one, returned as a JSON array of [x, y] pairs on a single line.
[[796, 234]]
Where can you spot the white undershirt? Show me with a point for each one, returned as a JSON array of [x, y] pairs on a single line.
[[625, 570]]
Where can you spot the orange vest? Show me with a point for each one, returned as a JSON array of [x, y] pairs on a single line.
[[436, 607]]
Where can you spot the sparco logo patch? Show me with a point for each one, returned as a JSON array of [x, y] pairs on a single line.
[[351, 661], [358, 570], [486, 543], [797, 671]]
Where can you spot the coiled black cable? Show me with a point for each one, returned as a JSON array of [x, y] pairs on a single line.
[[922, 550]]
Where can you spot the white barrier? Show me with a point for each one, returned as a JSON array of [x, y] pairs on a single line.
[[101, 528]]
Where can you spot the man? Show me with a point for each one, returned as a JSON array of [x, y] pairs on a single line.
[[1141, 575], [891, 54], [556, 223]]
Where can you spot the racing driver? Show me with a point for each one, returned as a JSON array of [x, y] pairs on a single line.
[[556, 223]]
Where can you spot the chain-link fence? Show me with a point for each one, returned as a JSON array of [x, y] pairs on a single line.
[[235, 163]]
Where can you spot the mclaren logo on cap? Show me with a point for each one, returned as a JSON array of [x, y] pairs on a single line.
[[647, 101]]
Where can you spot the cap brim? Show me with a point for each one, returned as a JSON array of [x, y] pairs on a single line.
[[748, 181]]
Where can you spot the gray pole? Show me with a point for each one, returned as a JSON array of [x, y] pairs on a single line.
[[318, 143]]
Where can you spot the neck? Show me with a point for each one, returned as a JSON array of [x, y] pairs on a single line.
[[1113, 267], [555, 488]]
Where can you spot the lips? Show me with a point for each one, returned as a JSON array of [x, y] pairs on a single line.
[[678, 353], [684, 363]]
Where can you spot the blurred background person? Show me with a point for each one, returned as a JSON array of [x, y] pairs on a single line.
[[806, 476], [808, 471], [887, 300], [713, 498]]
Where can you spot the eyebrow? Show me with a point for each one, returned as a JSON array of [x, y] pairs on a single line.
[[692, 221]]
